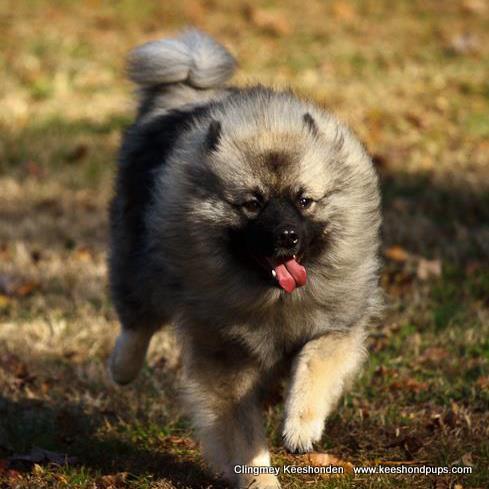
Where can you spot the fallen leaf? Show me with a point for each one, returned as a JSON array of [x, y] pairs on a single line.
[[272, 21], [194, 11], [409, 384], [17, 369], [410, 444], [441, 484], [400, 462], [4, 301], [483, 382], [34, 169], [322, 459], [396, 253], [5, 252], [25, 288], [83, 253], [433, 354], [16, 287], [77, 153], [474, 6], [380, 161], [416, 120], [467, 459], [473, 267], [397, 282], [6, 472], [343, 11], [177, 440], [428, 269], [112, 481]]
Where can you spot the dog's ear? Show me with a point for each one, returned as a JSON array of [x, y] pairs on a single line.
[[310, 124], [213, 135]]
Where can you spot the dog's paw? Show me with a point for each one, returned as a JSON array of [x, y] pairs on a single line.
[[300, 433], [128, 356], [121, 373]]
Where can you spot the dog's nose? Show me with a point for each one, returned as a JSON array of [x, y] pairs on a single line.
[[288, 239]]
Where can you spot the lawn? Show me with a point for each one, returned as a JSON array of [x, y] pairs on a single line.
[[411, 77]]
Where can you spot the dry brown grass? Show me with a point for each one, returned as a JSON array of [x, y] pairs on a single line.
[[410, 77]]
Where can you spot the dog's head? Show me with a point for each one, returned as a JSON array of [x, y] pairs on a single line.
[[280, 190]]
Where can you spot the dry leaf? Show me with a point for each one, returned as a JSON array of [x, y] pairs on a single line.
[[428, 269], [433, 354], [380, 161], [322, 459], [177, 440], [77, 153], [474, 6], [6, 472], [83, 253], [343, 11], [34, 169], [25, 288], [271, 21], [483, 382], [4, 301], [16, 287], [112, 481], [473, 267], [416, 120], [467, 459], [194, 11], [409, 384], [396, 253]]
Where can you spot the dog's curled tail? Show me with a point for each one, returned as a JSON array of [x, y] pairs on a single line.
[[193, 58]]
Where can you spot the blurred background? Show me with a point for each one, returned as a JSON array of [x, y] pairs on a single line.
[[410, 77]]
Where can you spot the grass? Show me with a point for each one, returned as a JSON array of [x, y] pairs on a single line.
[[400, 75]]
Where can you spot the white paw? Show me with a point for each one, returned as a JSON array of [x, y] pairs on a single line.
[[301, 432]]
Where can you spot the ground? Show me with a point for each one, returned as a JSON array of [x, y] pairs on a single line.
[[410, 77]]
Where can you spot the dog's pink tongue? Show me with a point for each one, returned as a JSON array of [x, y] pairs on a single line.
[[290, 275]]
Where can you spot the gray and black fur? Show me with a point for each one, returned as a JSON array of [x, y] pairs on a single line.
[[214, 184]]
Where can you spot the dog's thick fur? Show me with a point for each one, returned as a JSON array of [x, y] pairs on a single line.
[[180, 248]]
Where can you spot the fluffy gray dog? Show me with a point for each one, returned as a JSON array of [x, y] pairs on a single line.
[[249, 219]]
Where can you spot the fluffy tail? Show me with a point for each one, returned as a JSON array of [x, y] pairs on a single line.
[[193, 58]]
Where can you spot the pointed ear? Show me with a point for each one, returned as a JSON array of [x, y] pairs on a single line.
[[213, 135], [311, 124]]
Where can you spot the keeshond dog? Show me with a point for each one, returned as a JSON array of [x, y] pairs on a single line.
[[249, 219]]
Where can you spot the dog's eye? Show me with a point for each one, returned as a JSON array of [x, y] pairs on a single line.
[[304, 202], [252, 205]]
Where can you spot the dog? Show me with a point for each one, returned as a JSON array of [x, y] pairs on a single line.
[[249, 219]]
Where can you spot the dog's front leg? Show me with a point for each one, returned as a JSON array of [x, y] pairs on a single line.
[[221, 399], [319, 374]]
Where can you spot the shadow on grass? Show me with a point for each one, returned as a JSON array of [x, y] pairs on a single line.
[[66, 429], [445, 220]]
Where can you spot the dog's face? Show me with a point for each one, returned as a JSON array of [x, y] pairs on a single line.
[[279, 228], [280, 200]]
